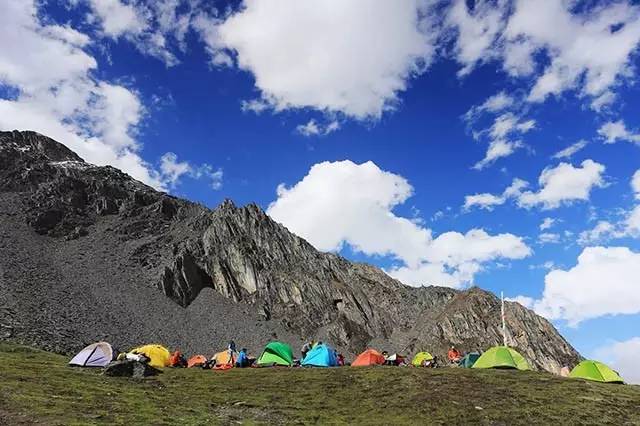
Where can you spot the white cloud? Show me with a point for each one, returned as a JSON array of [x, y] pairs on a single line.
[[173, 170], [476, 31], [493, 104], [118, 18], [569, 151], [549, 238], [297, 62], [559, 185], [488, 201], [154, 27], [622, 357], [603, 231], [614, 131], [556, 45], [635, 184], [605, 281], [547, 223], [313, 128], [564, 184], [346, 203], [583, 52], [503, 135]]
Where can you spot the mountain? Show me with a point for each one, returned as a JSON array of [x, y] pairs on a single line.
[[89, 253]]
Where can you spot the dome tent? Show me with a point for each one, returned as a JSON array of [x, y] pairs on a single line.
[[421, 358], [158, 355], [196, 361], [595, 371], [501, 357], [276, 353], [469, 359], [368, 357], [95, 355], [321, 356]]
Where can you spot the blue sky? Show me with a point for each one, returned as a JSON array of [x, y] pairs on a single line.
[[375, 119]]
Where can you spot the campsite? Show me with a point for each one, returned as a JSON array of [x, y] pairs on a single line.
[[37, 386]]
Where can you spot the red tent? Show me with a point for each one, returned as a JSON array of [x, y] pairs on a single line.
[[368, 357]]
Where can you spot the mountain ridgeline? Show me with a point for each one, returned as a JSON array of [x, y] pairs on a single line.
[[89, 253]]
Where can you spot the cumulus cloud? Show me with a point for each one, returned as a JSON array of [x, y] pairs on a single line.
[[556, 45], [584, 52], [118, 18], [298, 63], [346, 203], [614, 131], [559, 185], [58, 95], [476, 29], [569, 151], [622, 357], [157, 28], [603, 282]]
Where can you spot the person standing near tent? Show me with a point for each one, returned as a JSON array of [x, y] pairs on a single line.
[[231, 348], [306, 348]]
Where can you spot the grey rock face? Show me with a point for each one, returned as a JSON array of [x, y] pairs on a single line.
[[176, 272]]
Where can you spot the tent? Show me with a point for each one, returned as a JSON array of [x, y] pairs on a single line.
[[368, 357], [501, 357], [421, 358], [158, 355], [95, 355], [223, 358], [395, 359], [596, 371], [276, 353], [469, 359], [321, 356], [196, 361]]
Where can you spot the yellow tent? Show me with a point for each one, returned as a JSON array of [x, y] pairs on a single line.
[[223, 358], [157, 354], [420, 358]]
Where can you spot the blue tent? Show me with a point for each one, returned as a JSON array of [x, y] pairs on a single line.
[[320, 356]]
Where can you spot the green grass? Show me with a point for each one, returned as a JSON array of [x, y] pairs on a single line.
[[39, 386]]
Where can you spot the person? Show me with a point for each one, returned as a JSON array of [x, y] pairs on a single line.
[[243, 359], [231, 349], [385, 354], [340, 360], [454, 355], [306, 348]]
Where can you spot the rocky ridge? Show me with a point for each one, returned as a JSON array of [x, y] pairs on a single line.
[[79, 241]]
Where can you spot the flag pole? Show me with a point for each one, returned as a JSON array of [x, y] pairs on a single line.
[[504, 325]]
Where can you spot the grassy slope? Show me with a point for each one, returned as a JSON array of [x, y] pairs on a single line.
[[36, 385]]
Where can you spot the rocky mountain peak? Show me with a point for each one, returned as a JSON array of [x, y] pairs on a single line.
[[116, 245]]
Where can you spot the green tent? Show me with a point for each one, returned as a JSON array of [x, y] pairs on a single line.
[[276, 353], [469, 359], [596, 371], [420, 358], [501, 357]]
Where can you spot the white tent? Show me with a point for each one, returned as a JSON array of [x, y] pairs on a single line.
[[95, 355]]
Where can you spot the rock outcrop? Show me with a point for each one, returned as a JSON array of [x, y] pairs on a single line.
[[87, 253]]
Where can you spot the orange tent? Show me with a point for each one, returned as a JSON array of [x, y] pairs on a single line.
[[368, 357], [223, 358], [196, 361]]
